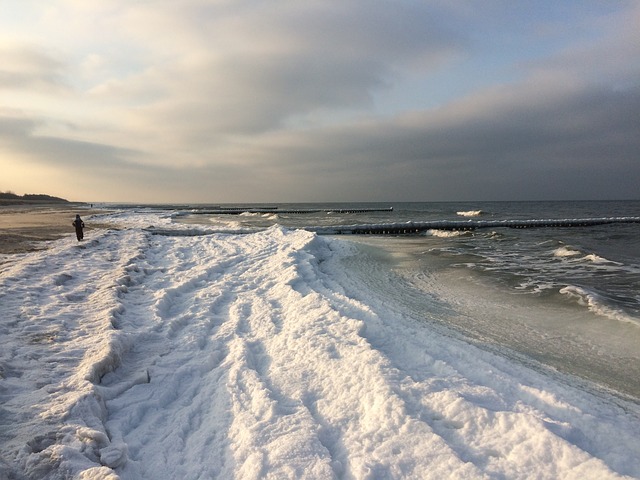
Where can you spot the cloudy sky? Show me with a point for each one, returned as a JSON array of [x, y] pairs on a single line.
[[332, 100]]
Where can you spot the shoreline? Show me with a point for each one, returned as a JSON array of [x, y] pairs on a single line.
[[26, 227], [276, 343], [552, 337]]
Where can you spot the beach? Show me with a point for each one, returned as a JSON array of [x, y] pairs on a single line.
[[178, 350], [26, 228]]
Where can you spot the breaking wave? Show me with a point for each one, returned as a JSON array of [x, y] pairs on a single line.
[[565, 252], [470, 213], [592, 257], [447, 233], [596, 304]]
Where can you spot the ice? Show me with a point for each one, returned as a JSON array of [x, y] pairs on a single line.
[[142, 354]]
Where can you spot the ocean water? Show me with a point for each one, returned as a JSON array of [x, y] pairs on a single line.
[[566, 298]]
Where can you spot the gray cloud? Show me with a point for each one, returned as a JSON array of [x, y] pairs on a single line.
[[253, 72], [20, 133], [575, 145], [28, 67], [239, 101]]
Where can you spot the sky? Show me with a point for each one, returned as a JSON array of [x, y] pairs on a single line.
[[214, 101]]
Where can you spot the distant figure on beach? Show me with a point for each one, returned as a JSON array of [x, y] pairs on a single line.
[[79, 224]]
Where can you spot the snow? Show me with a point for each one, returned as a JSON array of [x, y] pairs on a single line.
[[152, 354]]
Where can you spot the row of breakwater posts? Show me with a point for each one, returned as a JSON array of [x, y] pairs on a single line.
[[416, 228], [276, 210], [410, 228]]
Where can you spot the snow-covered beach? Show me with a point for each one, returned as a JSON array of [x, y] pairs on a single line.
[[139, 355]]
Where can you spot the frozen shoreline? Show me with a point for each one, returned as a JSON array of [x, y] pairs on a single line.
[[158, 356], [525, 328]]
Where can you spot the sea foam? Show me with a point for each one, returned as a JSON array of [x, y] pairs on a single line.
[[447, 233], [470, 213], [596, 304], [565, 252]]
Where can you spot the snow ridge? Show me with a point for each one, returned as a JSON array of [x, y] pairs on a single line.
[[261, 356]]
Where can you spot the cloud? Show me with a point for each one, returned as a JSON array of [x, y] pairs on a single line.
[[524, 141], [19, 132], [227, 73], [29, 67], [251, 71], [246, 101]]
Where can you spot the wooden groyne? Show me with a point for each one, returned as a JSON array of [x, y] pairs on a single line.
[[416, 228], [243, 209], [277, 210]]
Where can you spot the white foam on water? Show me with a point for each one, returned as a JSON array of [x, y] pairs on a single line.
[[572, 254], [535, 286], [142, 356], [592, 257], [596, 304], [470, 213], [565, 252], [447, 233]]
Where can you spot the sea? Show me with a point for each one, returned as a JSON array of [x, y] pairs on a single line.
[[564, 299]]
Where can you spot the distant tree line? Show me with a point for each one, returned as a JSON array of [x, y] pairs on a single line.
[[31, 198]]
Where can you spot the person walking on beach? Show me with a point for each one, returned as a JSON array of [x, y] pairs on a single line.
[[79, 224]]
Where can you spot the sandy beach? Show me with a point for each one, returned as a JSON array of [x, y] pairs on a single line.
[[25, 228]]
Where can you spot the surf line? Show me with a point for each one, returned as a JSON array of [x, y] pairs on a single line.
[[410, 228]]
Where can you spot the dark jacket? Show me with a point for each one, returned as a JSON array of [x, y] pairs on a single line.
[[79, 224]]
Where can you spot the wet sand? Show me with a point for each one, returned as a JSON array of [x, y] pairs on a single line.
[[26, 228]]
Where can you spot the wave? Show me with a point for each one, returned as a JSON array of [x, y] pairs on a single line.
[[592, 257], [565, 252], [535, 286], [597, 305], [446, 233], [470, 213]]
